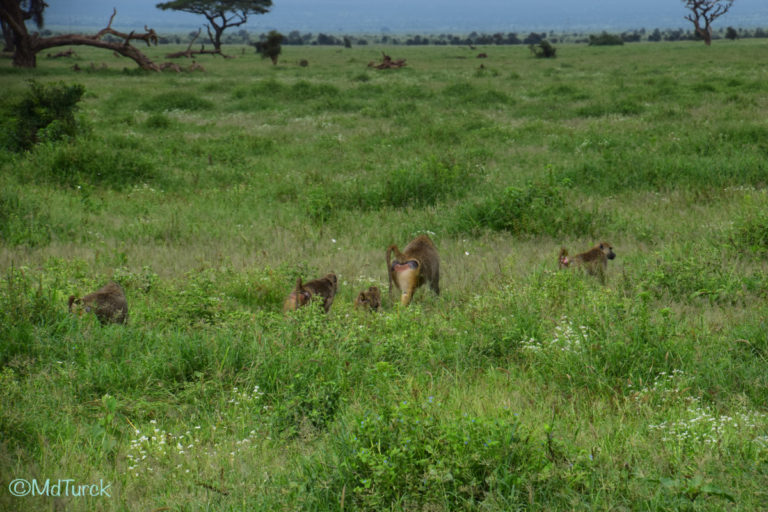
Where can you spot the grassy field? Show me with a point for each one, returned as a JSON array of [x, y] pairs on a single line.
[[205, 194]]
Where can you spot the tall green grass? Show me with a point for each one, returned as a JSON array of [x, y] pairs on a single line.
[[519, 387]]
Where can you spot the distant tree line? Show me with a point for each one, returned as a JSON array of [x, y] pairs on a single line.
[[510, 38], [498, 38]]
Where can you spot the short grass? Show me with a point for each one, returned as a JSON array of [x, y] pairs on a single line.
[[205, 194]]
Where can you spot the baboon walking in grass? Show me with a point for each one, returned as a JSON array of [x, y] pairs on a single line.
[[593, 261], [417, 264], [303, 293], [107, 303]]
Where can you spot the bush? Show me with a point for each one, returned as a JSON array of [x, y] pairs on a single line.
[[537, 208], [271, 47], [750, 231], [46, 113], [605, 39], [90, 162], [419, 186], [110, 167], [425, 185], [544, 50], [408, 454], [697, 275]]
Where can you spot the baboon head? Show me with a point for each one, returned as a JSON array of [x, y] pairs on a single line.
[[77, 307], [298, 297], [607, 250], [369, 299]]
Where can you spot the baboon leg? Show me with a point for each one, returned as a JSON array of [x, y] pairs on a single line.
[[435, 285]]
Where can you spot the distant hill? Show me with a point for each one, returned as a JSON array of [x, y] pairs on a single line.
[[422, 16]]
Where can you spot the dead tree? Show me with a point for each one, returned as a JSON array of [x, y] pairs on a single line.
[[703, 13], [189, 52], [29, 45], [387, 63]]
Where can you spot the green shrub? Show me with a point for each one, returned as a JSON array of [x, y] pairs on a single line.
[[538, 208], [415, 455], [426, 184], [605, 39], [271, 47], [698, 274], [422, 185], [93, 163], [544, 50], [750, 231], [46, 113]]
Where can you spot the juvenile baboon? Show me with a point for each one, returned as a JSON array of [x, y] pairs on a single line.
[[302, 294], [297, 298], [108, 303], [369, 299], [593, 261], [417, 264]]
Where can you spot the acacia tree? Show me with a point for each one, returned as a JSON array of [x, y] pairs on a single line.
[[703, 13], [28, 9], [271, 47], [221, 14], [27, 46]]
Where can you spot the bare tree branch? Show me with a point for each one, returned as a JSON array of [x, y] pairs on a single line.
[[703, 13]]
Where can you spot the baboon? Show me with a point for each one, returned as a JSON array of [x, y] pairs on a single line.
[[108, 303], [593, 261], [302, 294], [417, 264], [369, 299]]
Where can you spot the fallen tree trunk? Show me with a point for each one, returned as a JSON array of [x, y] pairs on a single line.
[[387, 63], [29, 45]]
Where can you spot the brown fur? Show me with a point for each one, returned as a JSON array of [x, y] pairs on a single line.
[[302, 294], [593, 261], [297, 298], [107, 303], [417, 264], [369, 299]]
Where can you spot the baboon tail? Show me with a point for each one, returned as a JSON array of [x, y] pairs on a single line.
[[389, 266]]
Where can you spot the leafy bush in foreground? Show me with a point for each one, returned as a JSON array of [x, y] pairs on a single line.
[[46, 113], [408, 453]]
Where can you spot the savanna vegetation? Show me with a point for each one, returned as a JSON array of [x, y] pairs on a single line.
[[520, 387]]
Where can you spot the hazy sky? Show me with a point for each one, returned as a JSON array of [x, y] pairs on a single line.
[[372, 16]]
